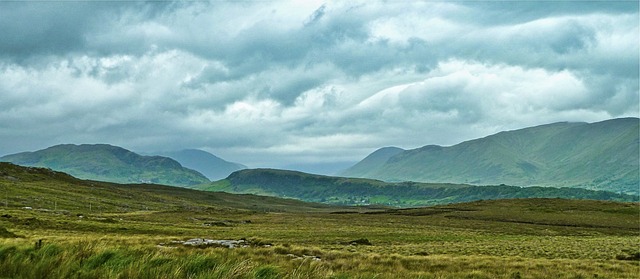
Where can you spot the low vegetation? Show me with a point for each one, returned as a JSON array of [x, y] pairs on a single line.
[[100, 230]]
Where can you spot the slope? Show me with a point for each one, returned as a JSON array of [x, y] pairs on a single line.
[[359, 191], [601, 156], [41, 188], [374, 161], [109, 163], [213, 167]]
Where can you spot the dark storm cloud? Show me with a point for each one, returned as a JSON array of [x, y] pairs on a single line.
[[59, 28], [48, 27]]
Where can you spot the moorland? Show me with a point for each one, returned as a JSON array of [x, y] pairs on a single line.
[[53, 225]]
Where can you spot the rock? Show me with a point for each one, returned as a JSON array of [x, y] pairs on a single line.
[[360, 241], [303, 257], [217, 224], [202, 242]]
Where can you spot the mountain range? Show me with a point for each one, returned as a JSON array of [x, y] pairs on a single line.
[[109, 163], [600, 156], [359, 191], [213, 167], [595, 156]]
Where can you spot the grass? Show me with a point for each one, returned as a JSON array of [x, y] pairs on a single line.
[[111, 258], [119, 235]]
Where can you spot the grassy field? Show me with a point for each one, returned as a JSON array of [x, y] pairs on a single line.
[[100, 230]]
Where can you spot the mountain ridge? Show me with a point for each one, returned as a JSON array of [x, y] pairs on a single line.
[[210, 165], [108, 163], [601, 155]]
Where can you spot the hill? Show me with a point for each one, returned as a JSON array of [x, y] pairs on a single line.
[[213, 167], [599, 156], [40, 188], [358, 191], [108, 163]]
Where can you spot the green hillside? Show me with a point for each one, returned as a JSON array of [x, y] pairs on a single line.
[[108, 163], [599, 156], [47, 189], [358, 191]]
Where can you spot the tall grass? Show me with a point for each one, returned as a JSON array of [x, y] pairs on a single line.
[[95, 259], [90, 260]]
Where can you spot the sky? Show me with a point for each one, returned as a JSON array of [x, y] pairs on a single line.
[[307, 84]]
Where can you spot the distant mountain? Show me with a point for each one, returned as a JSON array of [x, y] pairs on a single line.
[[374, 161], [109, 163], [601, 156], [321, 168], [358, 191], [213, 167]]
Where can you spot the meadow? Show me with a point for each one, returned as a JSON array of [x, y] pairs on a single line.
[[101, 230]]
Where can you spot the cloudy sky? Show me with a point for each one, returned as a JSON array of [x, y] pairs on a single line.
[[286, 83]]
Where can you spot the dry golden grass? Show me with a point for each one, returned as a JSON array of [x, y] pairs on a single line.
[[117, 236]]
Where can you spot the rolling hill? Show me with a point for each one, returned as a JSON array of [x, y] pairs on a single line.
[[213, 167], [108, 163], [359, 191], [599, 156], [40, 188]]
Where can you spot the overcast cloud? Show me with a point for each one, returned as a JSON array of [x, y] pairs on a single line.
[[272, 84]]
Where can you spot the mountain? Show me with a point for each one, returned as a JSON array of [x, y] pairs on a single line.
[[359, 191], [321, 168], [600, 156], [108, 163], [375, 160], [213, 167]]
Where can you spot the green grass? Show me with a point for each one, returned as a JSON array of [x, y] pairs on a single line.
[[119, 236]]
